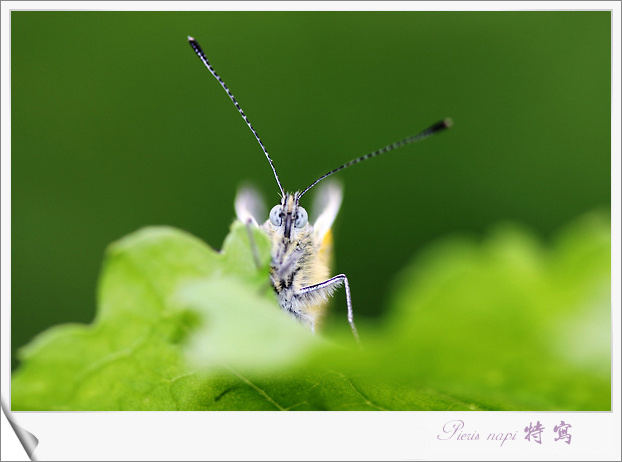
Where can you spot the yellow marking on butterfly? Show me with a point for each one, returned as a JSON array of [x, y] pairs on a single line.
[[301, 251]]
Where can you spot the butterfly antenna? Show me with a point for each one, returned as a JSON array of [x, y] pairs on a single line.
[[436, 128], [197, 49]]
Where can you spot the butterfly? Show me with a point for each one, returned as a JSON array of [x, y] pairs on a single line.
[[301, 251]]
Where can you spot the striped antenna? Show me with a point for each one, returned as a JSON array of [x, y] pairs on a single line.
[[436, 128], [197, 49]]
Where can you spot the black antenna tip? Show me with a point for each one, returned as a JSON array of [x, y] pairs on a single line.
[[440, 126]]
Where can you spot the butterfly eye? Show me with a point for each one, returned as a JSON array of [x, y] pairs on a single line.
[[276, 217], [301, 218]]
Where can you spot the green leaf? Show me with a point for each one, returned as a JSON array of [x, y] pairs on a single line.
[[132, 356], [509, 322], [240, 329], [506, 323]]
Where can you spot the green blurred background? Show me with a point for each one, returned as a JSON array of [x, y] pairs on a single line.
[[117, 125]]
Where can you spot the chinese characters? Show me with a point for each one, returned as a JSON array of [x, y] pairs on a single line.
[[534, 432]]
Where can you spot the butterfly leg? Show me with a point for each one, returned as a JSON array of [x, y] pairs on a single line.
[[324, 290], [255, 252], [253, 244]]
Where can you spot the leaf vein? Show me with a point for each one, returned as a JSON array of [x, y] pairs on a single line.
[[362, 396], [257, 389]]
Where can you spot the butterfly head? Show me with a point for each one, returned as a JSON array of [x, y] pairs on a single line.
[[288, 217]]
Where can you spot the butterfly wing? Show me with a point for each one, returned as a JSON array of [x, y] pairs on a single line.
[[326, 204], [250, 206], [325, 208]]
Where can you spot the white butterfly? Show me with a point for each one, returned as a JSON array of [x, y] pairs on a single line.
[[301, 251]]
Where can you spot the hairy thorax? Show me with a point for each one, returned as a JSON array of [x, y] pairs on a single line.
[[298, 261]]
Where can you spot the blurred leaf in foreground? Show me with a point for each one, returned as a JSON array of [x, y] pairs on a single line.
[[508, 322], [505, 324]]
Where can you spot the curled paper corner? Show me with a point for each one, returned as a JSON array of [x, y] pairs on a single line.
[[27, 439]]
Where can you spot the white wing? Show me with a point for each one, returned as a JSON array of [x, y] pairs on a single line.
[[326, 205], [249, 206]]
